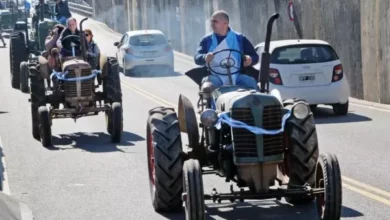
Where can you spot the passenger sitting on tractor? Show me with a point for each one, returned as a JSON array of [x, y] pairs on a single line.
[[64, 43], [93, 49], [51, 47], [223, 37]]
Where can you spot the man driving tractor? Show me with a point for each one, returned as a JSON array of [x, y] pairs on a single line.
[[223, 37], [68, 36]]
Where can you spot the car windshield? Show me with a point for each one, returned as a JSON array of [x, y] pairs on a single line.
[[148, 40], [299, 54]]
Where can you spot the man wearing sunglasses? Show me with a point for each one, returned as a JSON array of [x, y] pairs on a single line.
[[223, 37]]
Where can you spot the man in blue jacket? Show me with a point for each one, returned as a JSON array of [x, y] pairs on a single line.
[[223, 37], [62, 11]]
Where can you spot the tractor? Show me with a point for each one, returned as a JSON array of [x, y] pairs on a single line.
[[74, 91], [27, 43], [265, 145]]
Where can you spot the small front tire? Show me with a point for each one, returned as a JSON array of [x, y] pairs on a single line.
[[24, 77], [193, 190], [116, 123], [44, 126], [328, 177]]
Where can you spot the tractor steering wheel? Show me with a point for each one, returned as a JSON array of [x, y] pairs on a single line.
[[227, 63], [75, 43]]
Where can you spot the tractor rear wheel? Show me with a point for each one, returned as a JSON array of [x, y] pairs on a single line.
[[193, 190], [24, 77], [165, 162], [328, 176], [302, 154], [37, 98], [18, 53], [111, 88]]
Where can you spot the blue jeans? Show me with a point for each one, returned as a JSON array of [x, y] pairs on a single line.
[[62, 20], [241, 80]]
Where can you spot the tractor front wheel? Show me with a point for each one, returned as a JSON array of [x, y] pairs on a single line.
[[165, 162], [44, 126], [328, 177], [116, 122], [193, 190], [24, 77]]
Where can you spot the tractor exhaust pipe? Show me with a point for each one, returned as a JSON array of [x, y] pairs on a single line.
[[266, 56], [83, 40]]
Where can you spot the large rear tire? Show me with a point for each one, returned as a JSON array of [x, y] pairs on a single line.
[[193, 189], [111, 88], [328, 176], [165, 163], [302, 155], [37, 98], [18, 53]]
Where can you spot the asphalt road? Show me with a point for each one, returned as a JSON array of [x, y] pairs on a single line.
[[85, 177]]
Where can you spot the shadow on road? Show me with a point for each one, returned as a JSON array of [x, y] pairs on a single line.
[[264, 209], [3, 112], [151, 72], [350, 213], [97, 142], [326, 116]]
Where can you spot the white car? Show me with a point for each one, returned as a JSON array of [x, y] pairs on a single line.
[[144, 49], [309, 70]]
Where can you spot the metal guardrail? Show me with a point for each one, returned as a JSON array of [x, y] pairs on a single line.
[[81, 9]]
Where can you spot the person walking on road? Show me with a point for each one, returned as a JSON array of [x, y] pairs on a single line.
[[1, 35]]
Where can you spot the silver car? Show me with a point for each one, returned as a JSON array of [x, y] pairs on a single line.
[[144, 49]]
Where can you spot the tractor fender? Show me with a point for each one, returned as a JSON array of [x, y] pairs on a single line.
[[103, 65], [277, 95], [187, 121]]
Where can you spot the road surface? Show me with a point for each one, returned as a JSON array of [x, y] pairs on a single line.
[[85, 177]]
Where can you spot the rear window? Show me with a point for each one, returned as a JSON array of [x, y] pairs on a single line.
[[148, 40], [300, 54]]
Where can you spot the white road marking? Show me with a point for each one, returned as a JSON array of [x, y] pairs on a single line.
[[5, 184]]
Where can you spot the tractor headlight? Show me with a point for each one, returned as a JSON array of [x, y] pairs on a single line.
[[209, 118], [300, 110]]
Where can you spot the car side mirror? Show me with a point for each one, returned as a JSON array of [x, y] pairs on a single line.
[[116, 44]]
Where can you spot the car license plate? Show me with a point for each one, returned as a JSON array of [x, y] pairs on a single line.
[[307, 78]]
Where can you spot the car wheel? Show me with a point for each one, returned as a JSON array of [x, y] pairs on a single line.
[[341, 109]]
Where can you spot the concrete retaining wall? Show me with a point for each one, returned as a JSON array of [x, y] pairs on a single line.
[[357, 29]]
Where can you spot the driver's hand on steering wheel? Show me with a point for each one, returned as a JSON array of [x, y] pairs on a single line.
[[209, 57], [247, 61]]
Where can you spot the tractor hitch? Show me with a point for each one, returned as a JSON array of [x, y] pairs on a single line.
[[271, 194]]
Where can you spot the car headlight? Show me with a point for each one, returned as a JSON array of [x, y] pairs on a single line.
[[209, 118], [300, 110]]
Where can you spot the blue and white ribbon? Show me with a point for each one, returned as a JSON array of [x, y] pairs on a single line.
[[225, 118], [61, 76]]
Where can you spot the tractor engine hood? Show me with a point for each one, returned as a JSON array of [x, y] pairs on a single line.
[[244, 99]]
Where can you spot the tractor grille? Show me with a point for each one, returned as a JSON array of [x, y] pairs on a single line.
[[86, 87], [272, 120], [245, 141]]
